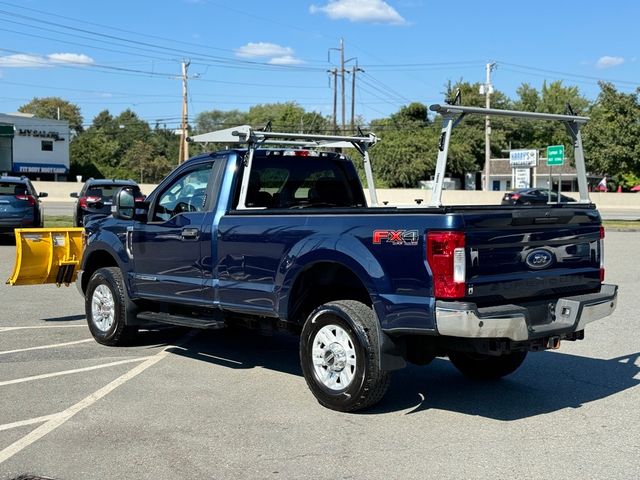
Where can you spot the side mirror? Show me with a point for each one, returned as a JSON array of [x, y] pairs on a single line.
[[43, 194], [73, 194], [124, 207]]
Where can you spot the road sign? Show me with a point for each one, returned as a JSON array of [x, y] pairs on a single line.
[[555, 155], [523, 158]]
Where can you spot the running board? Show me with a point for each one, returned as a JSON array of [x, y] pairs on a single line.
[[181, 320]]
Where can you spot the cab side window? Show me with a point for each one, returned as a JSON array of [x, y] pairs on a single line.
[[187, 193]]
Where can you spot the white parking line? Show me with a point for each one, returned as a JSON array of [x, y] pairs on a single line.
[[60, 418], [24, 423], [42, 347], [29, 327], [68, 372]]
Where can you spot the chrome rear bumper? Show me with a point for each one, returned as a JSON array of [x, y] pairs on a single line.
[[570, 314]]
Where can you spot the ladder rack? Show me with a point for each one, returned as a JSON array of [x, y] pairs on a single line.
[[453, 114], [254, 138]]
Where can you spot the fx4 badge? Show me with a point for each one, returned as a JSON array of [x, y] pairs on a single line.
[[396, 237]]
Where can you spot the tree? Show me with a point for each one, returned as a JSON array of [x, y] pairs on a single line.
[[414, 114], [404, 156], [142, 159], [93, 154], [47, 107], [212, 120], [103, 120], [287, 116], [553, 98], [611, 137]]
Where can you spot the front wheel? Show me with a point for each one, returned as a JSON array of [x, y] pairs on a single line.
[[478, 366], [340, 356], [107, 307]]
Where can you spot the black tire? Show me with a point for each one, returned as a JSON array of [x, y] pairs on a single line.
[[368, 383], [479, 366], [118, 332]]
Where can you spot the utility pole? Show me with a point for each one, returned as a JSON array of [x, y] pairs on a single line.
[[354, 69], [334, 72], [184, 146], [342, 73], [487, 90]]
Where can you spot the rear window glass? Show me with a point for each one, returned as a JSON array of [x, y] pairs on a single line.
[[106, 191], [12, 188], [295, 182]]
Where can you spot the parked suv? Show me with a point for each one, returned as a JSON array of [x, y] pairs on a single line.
[[19, 204], [96, 197]]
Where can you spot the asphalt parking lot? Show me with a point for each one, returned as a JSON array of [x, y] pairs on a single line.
[[218, 404]]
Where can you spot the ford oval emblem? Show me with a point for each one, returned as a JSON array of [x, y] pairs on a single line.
[[539, 259]]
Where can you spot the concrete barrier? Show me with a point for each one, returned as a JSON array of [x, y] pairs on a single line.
[[59, 192]]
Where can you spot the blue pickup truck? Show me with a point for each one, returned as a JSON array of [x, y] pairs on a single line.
[[280, 235]]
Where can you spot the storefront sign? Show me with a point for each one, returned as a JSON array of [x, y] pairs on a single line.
[[522, 177], [23, 132], [523, 158], [39, 168]]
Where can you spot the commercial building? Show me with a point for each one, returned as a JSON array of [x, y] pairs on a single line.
[[505, 175], [35, 147]]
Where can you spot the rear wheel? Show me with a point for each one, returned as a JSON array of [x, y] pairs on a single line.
[[340, 356], [478, 366], [107, 307]]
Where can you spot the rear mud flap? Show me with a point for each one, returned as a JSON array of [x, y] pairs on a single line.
[[47, 255]]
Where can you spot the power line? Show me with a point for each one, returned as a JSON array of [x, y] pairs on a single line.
[[82, 21], [587, 77], [148, 47], [82, 65]]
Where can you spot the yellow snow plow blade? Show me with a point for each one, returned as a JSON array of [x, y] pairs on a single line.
[[47, 255]]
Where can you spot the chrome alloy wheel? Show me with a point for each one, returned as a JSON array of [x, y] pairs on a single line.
[[103, 308], [334, 357]]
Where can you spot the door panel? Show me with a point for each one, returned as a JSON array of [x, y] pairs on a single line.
[[167, 250]]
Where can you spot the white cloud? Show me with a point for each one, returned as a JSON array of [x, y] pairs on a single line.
[[370, 11], [263, 49], [277, 54], [21, 60], [75, 58], [609, 62], [285, 60]]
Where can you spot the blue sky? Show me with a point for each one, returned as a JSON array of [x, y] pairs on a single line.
[[126, 54]]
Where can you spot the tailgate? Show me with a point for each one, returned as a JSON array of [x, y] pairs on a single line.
[[531, 253]]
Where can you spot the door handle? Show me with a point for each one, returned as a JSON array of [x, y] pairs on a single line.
[[190, 233]]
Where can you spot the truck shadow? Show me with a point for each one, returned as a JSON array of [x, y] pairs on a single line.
[[546, 382], [67, 318]]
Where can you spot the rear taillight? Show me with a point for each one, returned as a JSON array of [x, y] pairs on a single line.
[[446, 258], [601, 253], [27, 198], [90, 199], [515, 196]]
